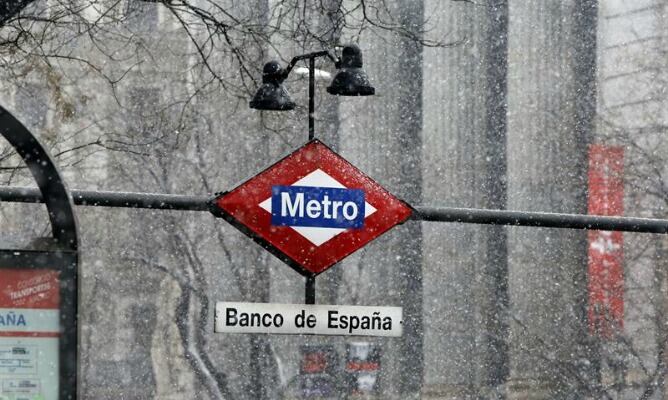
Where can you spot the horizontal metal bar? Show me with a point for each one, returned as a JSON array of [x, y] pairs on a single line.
[[160, 201], [540, 219], [156, 201]]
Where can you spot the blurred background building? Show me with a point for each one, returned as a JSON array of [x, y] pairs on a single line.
[[538, 106]]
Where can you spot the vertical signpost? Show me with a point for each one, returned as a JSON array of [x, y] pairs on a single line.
[[38, 289], [312, 209]]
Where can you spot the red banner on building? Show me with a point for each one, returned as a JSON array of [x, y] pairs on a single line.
[[606, 252]]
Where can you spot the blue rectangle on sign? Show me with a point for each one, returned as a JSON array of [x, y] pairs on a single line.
[[322, 207]]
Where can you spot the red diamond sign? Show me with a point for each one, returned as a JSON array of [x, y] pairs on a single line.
[[312, 208]]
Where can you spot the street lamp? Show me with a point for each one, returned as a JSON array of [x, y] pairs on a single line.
[[351, 80], [272, 95]]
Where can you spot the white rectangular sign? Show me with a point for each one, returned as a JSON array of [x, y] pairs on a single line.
[[297, 319]]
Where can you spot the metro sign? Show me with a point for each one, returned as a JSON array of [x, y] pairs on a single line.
[[311, 209]]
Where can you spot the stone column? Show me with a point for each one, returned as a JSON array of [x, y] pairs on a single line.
[[550, 114], [464, 153]]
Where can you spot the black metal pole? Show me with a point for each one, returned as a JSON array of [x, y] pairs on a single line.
[[311, 100], [309, 290], [160, 201], [311, 83], [540, 219]]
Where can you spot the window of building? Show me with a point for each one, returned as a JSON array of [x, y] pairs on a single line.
[[32, 106], [141, 16]]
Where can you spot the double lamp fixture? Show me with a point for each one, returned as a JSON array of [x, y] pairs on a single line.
[[350, 80]]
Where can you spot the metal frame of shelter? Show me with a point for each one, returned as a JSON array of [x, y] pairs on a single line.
[[59, 252]]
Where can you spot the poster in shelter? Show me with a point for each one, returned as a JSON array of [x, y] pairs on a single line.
[[29, 331]]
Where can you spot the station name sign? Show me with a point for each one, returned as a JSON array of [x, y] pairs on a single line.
[[296, 319]]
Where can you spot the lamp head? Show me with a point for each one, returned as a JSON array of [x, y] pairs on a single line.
[[351, 80], [272, 95]]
